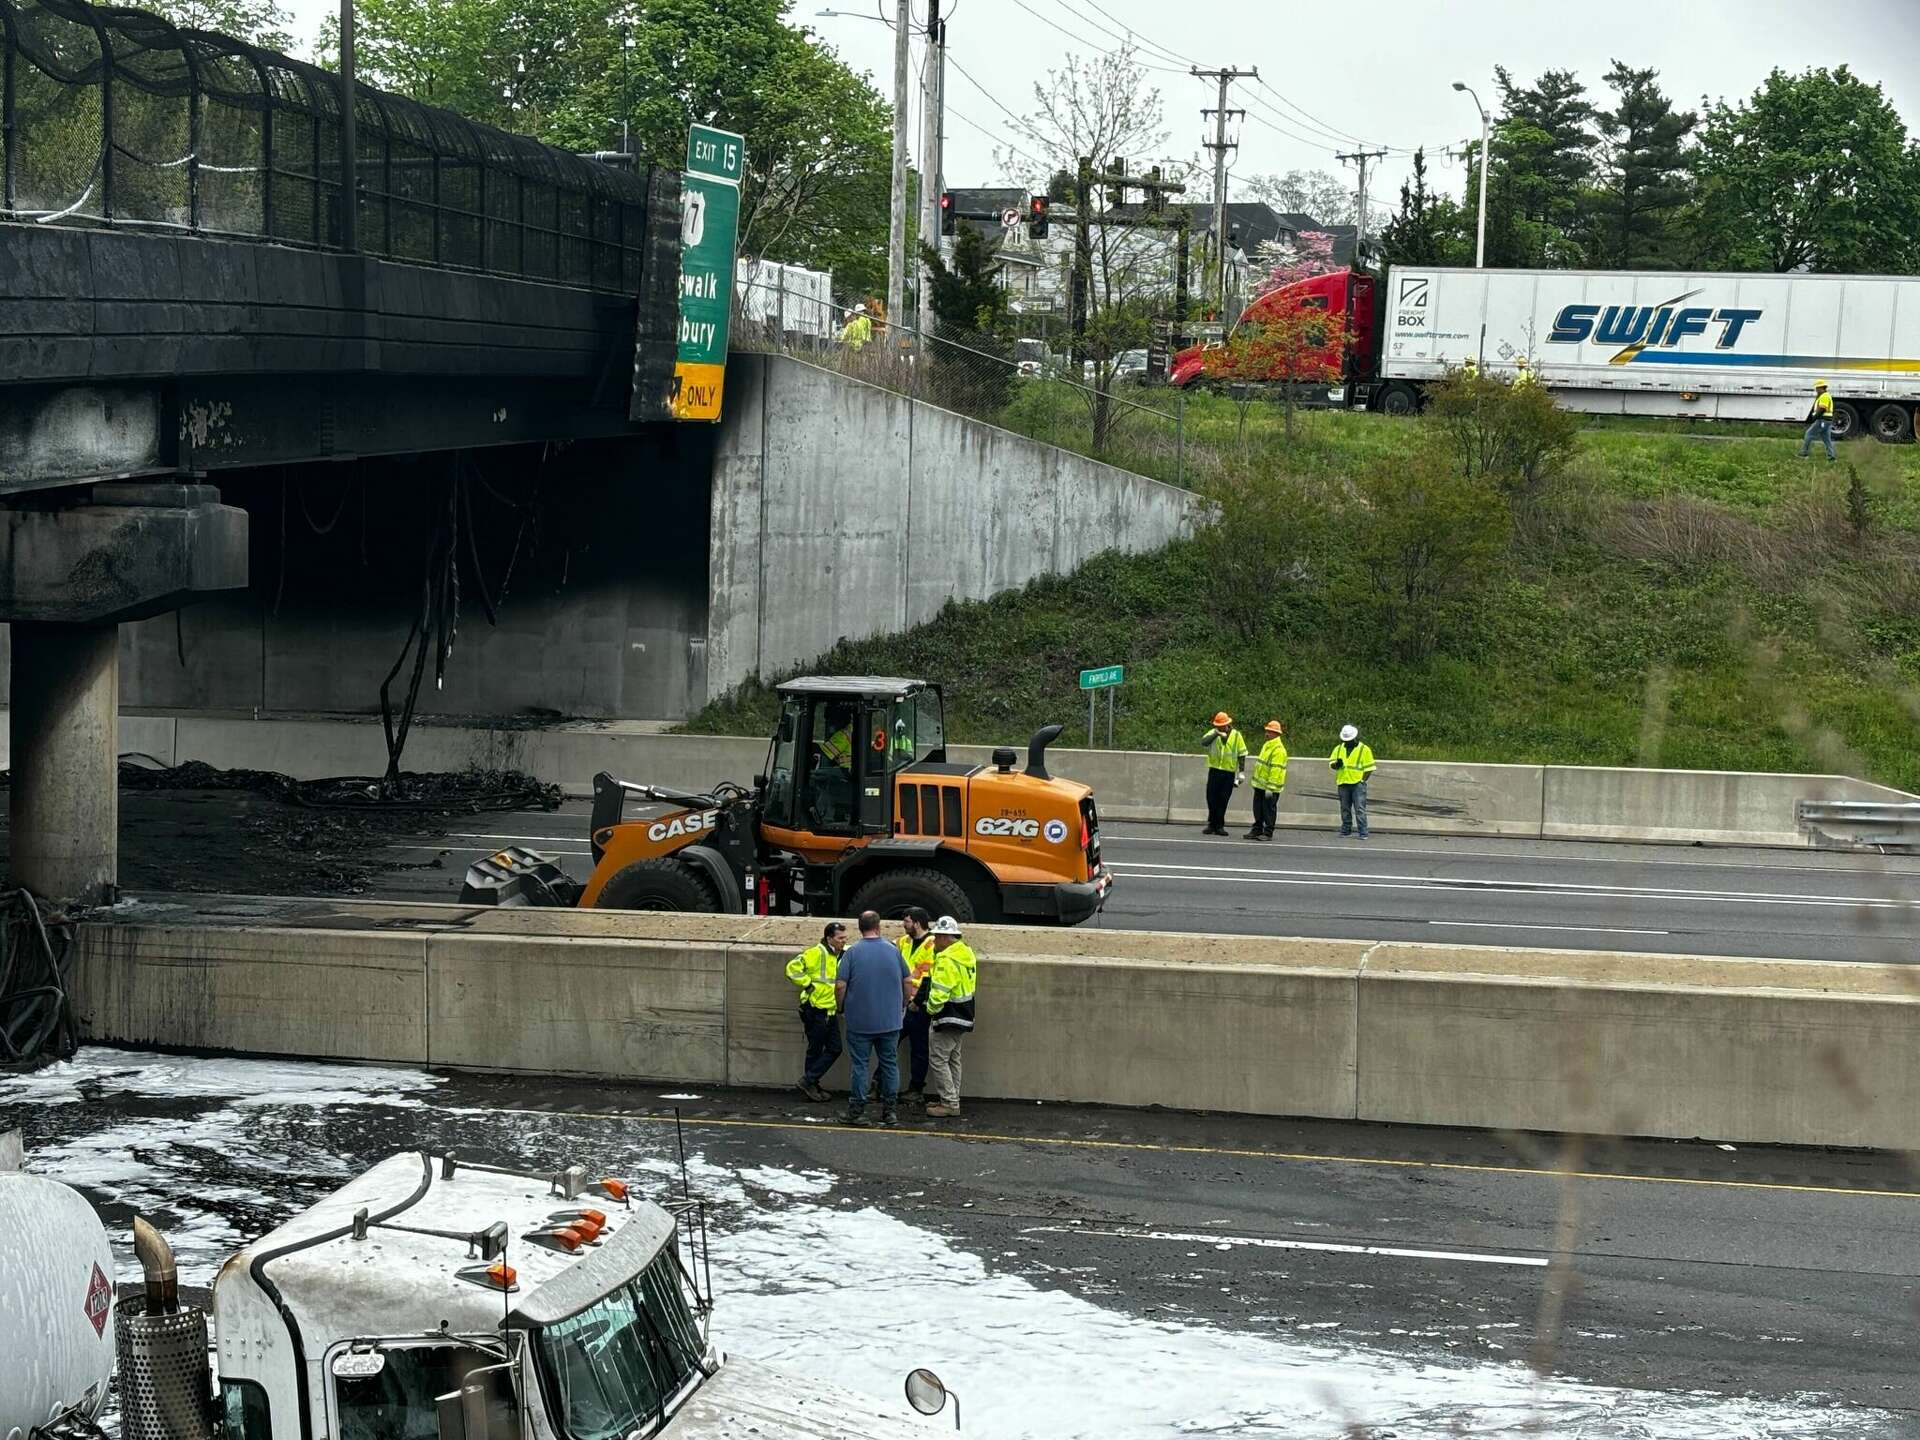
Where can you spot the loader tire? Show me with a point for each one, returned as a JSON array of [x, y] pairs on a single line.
[[658, 885], [892, 892]]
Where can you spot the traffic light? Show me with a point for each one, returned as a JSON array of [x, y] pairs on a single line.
[[948, 220], [1037, 217]]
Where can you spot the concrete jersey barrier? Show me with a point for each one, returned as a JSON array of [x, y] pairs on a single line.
[[1419, 796], [1753, 1051]]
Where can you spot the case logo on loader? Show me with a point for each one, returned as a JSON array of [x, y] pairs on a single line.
[[691, 823], [1001, 825]]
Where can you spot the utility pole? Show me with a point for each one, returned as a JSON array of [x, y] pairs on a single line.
[[932, 152], [1360, 157], [1219, 146], [349, 141], [897, 207]]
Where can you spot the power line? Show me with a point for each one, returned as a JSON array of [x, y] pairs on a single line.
[[1125, 35], [1081, 40]]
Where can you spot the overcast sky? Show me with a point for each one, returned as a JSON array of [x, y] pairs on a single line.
[[1386, 81]]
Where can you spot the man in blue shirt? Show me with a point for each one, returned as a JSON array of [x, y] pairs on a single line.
[[872, 986]]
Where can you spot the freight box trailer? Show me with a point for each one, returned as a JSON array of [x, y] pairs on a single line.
[[1699, 345]]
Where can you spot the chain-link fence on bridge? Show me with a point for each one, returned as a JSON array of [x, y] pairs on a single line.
[[1106, 410], [114, 116]]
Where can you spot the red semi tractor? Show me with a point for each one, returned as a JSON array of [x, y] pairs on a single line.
[[1351, 354]]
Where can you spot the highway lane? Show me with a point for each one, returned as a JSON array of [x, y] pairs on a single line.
[[1209, 1274], [1785, 904]]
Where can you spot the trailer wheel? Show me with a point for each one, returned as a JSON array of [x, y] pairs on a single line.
[[1398, 399], [892, 893], [1846, 420], [658, 885], [1893, 424]]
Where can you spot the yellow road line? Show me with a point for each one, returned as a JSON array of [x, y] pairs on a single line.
[[1229, 1152]]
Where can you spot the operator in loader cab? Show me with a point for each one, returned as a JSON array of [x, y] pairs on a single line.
[[833, 772]]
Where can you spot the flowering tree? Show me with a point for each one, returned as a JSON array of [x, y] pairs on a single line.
[[1277, 264], [1293, 341]]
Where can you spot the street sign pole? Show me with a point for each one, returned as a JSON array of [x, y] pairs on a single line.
[[1107, 678]]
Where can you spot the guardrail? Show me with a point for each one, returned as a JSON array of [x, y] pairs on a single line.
[[1855, 824]]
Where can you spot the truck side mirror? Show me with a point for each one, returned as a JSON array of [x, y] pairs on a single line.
[[483, 1408]]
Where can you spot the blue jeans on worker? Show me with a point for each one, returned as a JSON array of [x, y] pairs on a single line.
[[1353, 809], [1821, 430], [863, 1050]]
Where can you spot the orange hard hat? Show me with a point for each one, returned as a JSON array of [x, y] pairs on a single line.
[[1223, 718], [1274, 727]]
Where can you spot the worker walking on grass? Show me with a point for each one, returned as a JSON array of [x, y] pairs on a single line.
[[1226, 754], [950, 988], [872, 990], [1269, 779], [1819, 422], [1352, 764], [916, 948], [814, 970]]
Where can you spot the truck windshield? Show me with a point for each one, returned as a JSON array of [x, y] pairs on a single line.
[[613, 1368]]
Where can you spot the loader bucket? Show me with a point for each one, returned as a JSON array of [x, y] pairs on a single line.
[[518, 876]]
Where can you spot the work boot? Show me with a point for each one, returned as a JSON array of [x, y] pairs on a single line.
[[1253, 834], [859, 1117], [815, 1093], [940, 1110], [915, 1096], [890, 1117]]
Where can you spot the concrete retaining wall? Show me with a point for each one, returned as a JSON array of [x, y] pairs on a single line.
[[1740, 1050], [1437, 797], [841, 510]]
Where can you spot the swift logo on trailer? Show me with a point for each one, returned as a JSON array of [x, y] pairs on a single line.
[[1644, 327], [1410, 307]]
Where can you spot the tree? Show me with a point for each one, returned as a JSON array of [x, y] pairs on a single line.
[[1426, 229], [1101, 109], [1325, 197], [974, 366], [597, 74], [1278, 264], [1258, 544], [1549, 153], [1511, 434], [263, 22], [1812, 171], [1289, 340], [1644, 171], [1429, 539]]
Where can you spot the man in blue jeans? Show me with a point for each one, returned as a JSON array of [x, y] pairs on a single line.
[[1352, 764], [872, 986], [1819, 422]]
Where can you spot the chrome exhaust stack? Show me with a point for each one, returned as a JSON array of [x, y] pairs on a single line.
[[166, 1377]]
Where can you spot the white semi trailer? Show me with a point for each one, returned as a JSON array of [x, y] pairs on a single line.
[[427, 1299], [1657, 342]]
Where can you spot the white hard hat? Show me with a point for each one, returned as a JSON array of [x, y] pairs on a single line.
[[1348, 734], [946, 925]]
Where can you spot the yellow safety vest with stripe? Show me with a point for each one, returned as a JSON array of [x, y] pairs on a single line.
[[1225, 754], [1823, 406], [814, 971], [1350, 767], [837, 749], [955, 977], [919, 957], [1270, 766]]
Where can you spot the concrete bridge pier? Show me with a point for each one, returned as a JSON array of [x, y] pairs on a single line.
[[73, 565], [64, 801]]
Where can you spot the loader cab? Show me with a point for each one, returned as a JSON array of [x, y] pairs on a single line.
[[839, 743]]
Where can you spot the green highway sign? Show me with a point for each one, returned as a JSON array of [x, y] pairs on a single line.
[[1105, 676], [719, 153], [709, 220]]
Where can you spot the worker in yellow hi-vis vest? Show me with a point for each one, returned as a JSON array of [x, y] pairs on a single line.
[[1352, 762], [1226, 752], [1269, 779]]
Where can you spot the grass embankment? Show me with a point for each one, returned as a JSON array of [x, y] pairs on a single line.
[[1683, 602]]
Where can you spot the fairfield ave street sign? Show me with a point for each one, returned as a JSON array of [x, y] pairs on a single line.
[[709, 224], [1105, 676]]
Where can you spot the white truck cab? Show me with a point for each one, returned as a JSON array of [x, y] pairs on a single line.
[[431, 1299]]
